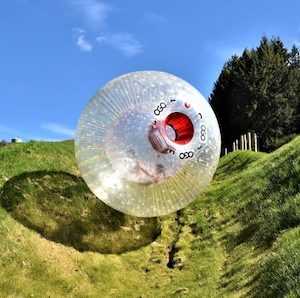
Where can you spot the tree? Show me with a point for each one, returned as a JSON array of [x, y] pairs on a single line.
[[259, 91]]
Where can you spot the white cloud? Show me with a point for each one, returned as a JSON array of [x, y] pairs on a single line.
[[78, 31], [13, 133], [93, 12], [154, 18], [84, 45], [81, 42], [59, 129], [9, 132], [123, 42]]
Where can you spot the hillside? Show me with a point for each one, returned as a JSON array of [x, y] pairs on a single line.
[[238, 239]]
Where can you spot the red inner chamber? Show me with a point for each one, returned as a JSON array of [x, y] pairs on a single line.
[[182, 126]]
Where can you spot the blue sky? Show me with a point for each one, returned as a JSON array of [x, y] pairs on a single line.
[[55, 54]]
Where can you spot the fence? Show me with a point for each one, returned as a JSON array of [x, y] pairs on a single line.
[[247, 141]]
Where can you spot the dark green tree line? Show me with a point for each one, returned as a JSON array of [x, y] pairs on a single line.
[[260, 92]]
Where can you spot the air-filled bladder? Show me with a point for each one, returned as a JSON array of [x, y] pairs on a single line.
[[147, 143]]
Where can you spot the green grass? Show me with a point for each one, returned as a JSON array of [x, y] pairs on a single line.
[[60, 207], [238, 239], [240, 217], [280, 274]]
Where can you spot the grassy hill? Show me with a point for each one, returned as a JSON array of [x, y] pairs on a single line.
[[238, 239]]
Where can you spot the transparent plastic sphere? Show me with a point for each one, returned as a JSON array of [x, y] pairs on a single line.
[[147, 143]]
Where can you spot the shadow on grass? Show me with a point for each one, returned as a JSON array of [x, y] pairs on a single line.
[[61, 208], [235, 165]]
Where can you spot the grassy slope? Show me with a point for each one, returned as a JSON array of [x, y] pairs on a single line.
[[240, 238], [244, 221]]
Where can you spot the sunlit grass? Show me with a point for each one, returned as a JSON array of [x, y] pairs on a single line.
[[240, 238]]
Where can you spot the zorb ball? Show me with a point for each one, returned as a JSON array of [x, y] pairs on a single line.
[[147, 143]]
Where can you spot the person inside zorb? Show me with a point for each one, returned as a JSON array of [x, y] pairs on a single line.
[[147, 143]]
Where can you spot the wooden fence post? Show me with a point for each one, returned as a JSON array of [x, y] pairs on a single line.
[[245, 141], [242, 142], [255, 142], [249, 141]]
